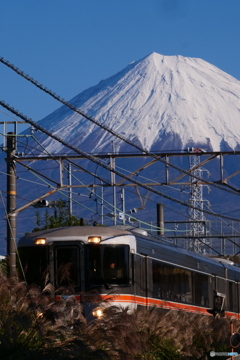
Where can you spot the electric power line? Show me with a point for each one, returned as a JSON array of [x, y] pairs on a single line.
[[97, 161], [106, 128]]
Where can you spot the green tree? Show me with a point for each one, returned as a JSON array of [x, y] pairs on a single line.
[[61, 218]]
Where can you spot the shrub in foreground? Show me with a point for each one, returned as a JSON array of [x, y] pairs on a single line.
[[34, 326]]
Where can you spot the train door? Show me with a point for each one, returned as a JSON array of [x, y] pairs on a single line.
[[233, 297], [238, 299], [149, 280], [142, 279], [67, 266], [219, 296]]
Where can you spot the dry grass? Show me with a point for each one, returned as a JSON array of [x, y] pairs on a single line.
[[33, 326], [157, 335], [192, 335]]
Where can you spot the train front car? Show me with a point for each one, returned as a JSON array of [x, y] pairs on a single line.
[[80, 260], [129, 267]]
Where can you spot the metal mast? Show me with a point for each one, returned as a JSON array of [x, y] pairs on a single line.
[[197, 219], [11, 204]]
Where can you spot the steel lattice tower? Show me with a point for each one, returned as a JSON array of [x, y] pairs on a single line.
[[197, 219]]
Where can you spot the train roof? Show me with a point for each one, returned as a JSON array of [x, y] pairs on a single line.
[[174, 255], [73, 233], [146, 244]]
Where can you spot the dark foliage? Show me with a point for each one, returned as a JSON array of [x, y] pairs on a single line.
[[35, 326], [61, 218]]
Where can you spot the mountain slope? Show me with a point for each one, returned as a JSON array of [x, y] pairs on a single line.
[[161, 102]]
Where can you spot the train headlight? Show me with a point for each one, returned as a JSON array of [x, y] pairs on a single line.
[[98, 313], [40, 242], [94, 239]]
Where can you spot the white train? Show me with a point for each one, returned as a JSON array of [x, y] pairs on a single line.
[[140, 269]]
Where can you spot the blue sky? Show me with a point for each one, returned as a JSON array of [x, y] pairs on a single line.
[[70, 45]]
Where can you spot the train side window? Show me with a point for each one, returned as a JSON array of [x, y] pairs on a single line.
[[175, 278], [161, 280], [170, 282], [233, 298], [200, 286], [186, 286]]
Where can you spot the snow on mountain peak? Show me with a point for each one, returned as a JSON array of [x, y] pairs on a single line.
[[161, 102]]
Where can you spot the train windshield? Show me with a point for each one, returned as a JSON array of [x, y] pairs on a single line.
[[67, 266], [34, 265], [107, 265]]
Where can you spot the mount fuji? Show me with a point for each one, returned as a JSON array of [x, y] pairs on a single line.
[[161, 103], [158, 102]]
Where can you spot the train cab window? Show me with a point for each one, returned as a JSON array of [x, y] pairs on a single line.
[[67, 266], [34, 265], [108, 265]]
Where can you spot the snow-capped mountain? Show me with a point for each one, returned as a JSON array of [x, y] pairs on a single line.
[[160, 102]]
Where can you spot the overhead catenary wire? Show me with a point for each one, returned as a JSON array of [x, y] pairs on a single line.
[[20, 178], [106, 128], [27, 146], [173, 210], [145, 178], [64, 168], [109, 204], [47, 184], [97, 165], [107, 167], [136, 219], [3, 112], [227, 237], [19, 197], [77, 165]]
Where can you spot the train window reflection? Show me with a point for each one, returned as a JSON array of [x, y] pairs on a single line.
[[108, 264], [201, 296], [173, 283], [34, 264], [67, 266], [177, 284]]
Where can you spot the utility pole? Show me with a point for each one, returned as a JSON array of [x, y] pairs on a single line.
[[11, 204], [102, 204], [70, 188], [123, 207], [113, 182], [160, 219]]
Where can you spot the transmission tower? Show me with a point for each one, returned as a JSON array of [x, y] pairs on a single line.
[[197, 219]]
